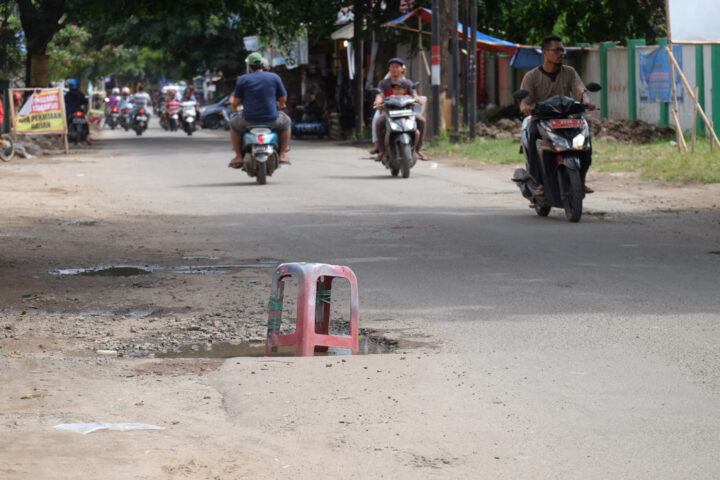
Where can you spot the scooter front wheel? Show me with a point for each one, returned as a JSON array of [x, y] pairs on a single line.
[[542, 210], [574, 196]]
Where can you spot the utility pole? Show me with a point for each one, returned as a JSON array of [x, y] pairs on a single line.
[[358, 95], [455, 74], [472, 68], [435, 63], [466, 34]]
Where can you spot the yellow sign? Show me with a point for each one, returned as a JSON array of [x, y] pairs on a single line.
[[42, 113]]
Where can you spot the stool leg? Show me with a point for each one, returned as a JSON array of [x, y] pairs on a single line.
[[275, 307], [322, 312], [305, 326]]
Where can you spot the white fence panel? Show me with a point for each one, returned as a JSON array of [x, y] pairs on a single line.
[[617, 83]]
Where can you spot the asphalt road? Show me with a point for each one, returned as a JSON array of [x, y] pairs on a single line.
[[596, 343]]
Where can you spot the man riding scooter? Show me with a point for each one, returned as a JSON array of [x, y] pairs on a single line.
[[550, 79], [75, 101], [261, 93]]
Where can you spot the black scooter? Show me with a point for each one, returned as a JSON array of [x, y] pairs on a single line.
[[564, 149]]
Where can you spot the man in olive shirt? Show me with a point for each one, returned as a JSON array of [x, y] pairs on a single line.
[[550, 79]]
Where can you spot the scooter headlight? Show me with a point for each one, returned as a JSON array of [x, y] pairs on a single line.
[[395, 126], [579, 141]]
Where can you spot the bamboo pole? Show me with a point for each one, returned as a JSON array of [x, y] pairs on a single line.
[[13, 130], [689, 89], [678, 128], [682, 146], [694, 127]]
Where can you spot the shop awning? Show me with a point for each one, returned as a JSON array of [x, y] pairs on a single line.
[[346, 32], [483, 41]]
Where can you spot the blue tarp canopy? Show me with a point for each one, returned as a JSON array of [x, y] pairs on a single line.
[[531, 57], [483, 41]]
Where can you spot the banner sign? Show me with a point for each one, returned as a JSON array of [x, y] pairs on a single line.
[[654, 70], [42, 113], [694, 21]]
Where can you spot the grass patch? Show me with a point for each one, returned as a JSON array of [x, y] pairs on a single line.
[[482, 150], [659, 161], [654, 161]]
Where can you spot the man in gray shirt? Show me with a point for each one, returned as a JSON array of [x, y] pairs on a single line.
[[550, 79]]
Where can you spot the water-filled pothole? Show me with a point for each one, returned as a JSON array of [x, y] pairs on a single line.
[[367, 346], [130, 270], [84, 222], [106, 271]]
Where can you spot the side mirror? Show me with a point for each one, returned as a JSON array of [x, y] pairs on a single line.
[[375, 91], [593, 87], [520, 94]]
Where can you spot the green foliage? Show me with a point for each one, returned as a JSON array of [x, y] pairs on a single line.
[[480, 150], [528, 21], [12, 60]]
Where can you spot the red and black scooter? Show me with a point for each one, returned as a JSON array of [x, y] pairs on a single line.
[[564, 149]]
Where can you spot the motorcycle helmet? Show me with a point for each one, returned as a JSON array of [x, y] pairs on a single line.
[[73, 84], [126, 90], [116, 91]]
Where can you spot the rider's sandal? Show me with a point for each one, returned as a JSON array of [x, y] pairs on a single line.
[[234, 164], [421, 156], [539, 191]]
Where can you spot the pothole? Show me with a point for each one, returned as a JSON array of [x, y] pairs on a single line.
[[367, 346], [131, 270], [106, 271], [84, 222]]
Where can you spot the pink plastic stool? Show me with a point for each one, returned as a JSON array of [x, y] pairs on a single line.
[[313, 323]]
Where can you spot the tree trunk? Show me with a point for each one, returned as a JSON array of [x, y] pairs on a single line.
[[40, 20], [447, 29]]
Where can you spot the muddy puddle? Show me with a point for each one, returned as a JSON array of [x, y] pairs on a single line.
[[367, 346], [132, 270]]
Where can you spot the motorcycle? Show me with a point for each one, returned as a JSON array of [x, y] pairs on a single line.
[[125, 119], [188, 116], [139, 121], [78, 129], [173, 109], [260, 152], [113, 119], [401, 123], [564, 149]]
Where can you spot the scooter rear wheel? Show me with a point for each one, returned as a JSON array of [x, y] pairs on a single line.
[[394, 172], [262, 173]]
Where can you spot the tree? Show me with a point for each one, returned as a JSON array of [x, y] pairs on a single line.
[[40, 21], [11, 57]]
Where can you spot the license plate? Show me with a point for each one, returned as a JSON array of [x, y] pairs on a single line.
[[400, 113], [262, 149], [78, 120], [567, 123], [141, 118]]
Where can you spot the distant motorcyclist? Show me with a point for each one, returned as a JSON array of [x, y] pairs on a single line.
[[550, 79], [141, 99], [75, 101], [395, 67], [112, 102], [262, 95], [125, 99]]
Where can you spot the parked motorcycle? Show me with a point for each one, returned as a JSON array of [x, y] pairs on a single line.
[[188, 116], [78, 129], [139, 121], [401, 123], [564, 149], [260, 152]]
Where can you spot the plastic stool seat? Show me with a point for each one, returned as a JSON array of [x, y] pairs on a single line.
[[313, 309]]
